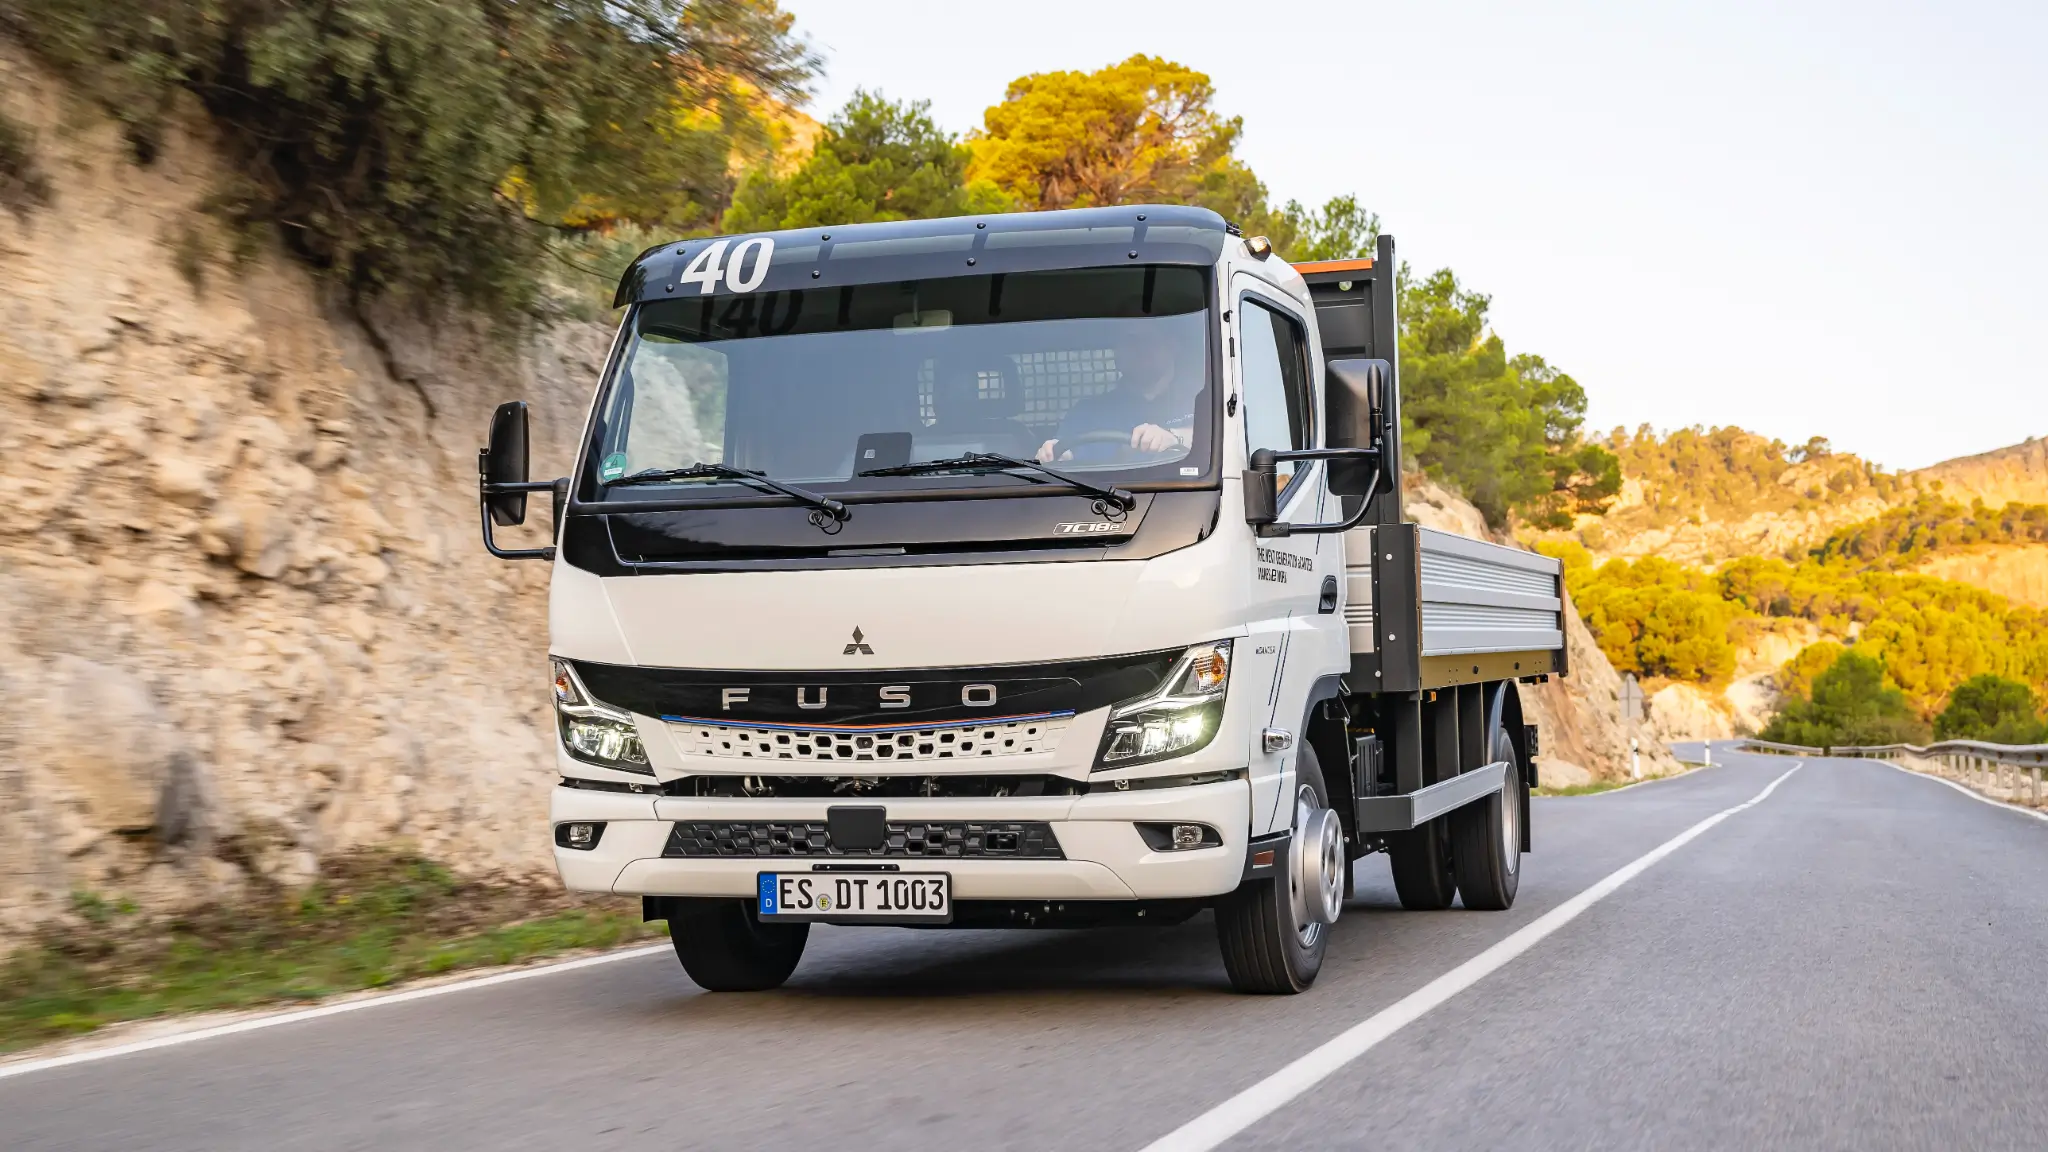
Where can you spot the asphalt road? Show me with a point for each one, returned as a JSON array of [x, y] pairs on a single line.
[[1858, 961]]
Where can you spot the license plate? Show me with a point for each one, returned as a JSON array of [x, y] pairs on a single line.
[[879, 896]]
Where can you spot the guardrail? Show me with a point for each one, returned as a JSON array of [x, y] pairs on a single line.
[[2009, 772]]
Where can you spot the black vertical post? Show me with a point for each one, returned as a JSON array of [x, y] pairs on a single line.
[[1472, 749], [1404, 724], [1441, 717], [1386, 345]]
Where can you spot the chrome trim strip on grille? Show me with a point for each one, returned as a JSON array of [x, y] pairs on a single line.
[[868, 729]]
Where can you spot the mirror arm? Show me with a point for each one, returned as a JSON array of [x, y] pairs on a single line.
[[557, 490], [1264, 460]]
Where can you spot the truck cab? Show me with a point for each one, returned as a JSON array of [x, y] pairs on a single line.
[[1019, 570]]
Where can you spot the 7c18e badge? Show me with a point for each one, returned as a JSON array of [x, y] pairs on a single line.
[[1089, 527]]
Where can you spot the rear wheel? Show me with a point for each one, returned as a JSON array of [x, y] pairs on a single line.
[[1274, 931], [1486, 839], [1421, 863], [725, 946]]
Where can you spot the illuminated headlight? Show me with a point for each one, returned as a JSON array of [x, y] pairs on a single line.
[[593, 731], [1178, 717]]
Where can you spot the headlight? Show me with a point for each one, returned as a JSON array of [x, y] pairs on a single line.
[[595, 732], [1176, 718]]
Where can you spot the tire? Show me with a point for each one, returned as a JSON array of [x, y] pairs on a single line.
[[1421, 863], [1267, 948], [725, 947], [1486, 839]]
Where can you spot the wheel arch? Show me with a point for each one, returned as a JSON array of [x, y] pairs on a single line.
[[1324, 723], [1504, 711]]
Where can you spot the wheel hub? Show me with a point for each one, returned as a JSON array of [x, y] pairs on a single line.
[[1317, 863]]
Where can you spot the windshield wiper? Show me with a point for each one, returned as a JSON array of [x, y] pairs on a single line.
[[824, 506], [996, 461]]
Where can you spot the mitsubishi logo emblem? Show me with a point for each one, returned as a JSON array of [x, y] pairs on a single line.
[[859, 646]]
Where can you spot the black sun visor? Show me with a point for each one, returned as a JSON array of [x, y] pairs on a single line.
[[923, 250]]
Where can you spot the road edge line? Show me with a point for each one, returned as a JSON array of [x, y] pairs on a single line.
[[1664, 779], [1269, 1095], [1972, 793], [277, 1019]]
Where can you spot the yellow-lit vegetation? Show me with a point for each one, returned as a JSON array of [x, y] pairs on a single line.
[[1656, 618]]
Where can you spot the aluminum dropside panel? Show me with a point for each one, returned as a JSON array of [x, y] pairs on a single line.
[[1479, 597]]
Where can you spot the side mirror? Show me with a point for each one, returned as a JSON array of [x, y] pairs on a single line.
[[1261, 490], [1356, 394], [505, 463]]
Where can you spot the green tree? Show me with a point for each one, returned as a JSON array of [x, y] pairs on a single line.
[[1339, 229], [1506, 432], [1142, 130], [1852, 704], [1651, 617], [435, 144], [877, 160], [1795, 679], [1993, 709]]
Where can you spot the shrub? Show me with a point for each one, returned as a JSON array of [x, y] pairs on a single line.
[[1993, 709], [433, 144], [1652, 617], [1851, 704]]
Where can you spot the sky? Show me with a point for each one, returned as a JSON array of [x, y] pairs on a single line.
[[1801, 218]]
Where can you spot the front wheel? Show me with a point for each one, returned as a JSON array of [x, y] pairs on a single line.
[[1274, 931], [726, 947]]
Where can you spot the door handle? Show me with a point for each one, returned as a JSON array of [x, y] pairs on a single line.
[[1328, 603]]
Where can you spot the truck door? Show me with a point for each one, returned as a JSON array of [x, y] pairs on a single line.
[[1276, 388]]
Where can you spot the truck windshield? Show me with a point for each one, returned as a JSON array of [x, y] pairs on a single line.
[[1098, 370]]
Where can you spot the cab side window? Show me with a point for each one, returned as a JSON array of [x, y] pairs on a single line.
[[1274, 372]]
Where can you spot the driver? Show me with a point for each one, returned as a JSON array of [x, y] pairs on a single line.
[[1148, 400]]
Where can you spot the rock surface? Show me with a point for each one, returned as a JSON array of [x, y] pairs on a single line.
[[248, 621], [2017, 572]]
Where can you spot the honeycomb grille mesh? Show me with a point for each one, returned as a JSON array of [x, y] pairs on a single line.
[[818, 745], [1028, 840]]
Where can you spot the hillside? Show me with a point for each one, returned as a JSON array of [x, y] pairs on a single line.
[[1737, 552], [1703, 496], [2017, 474], [2017, 572]]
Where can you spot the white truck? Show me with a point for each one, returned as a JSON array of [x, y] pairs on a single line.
[[1042, 569]]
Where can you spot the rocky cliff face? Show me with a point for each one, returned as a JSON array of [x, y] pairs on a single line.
[[247, 620], [1703, 539], [2014, 474], [2017, 572]]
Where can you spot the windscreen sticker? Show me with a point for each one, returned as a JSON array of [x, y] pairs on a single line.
[[739, 275], [614, 466]]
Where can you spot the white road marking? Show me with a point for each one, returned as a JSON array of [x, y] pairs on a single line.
[[1637, 784], [1972, 793], [1255, 1103], [24, 1067]]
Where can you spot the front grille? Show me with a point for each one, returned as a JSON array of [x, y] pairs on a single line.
[[1009, 839], [817, 745]]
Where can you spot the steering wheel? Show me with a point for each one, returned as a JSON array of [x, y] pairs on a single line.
[[1111, 436]]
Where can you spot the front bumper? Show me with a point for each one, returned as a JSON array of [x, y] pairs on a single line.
[[1105, 857]]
